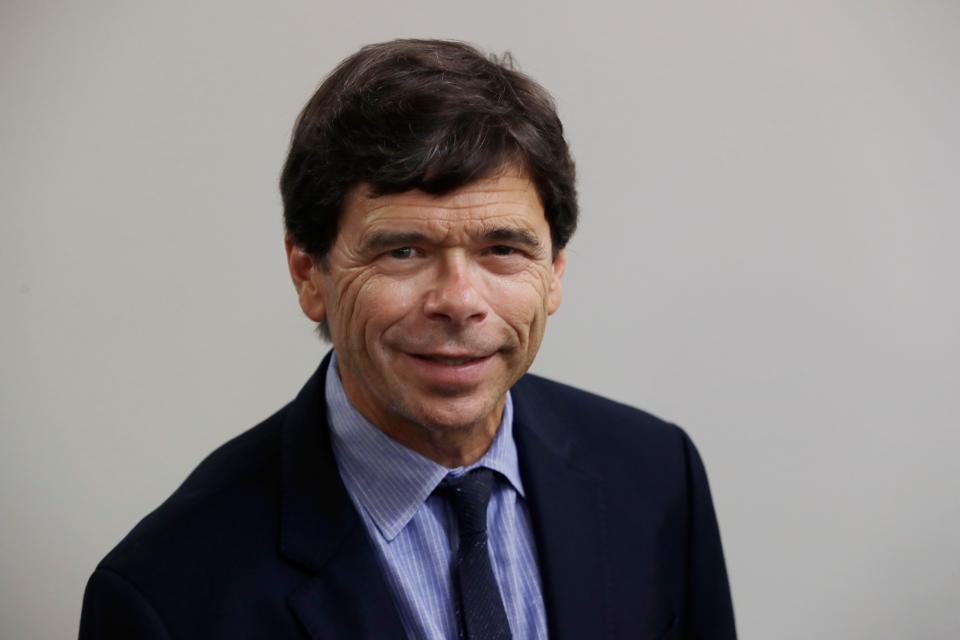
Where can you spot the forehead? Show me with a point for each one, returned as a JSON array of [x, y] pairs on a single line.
[[509, 198]]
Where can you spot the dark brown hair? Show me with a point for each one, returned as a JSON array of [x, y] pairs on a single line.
[[422, 114]]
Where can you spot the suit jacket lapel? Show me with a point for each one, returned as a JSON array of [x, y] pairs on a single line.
[[566, 507], [347, 597]]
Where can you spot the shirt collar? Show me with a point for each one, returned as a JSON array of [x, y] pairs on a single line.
[[389, 480]]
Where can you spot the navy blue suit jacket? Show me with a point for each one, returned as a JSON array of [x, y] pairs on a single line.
[[262, 541]]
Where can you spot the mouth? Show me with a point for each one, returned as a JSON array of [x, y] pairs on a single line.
[[451, 360], [450, 371]]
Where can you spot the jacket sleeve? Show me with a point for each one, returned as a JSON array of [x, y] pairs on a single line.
[[114, 609], [709, 609]]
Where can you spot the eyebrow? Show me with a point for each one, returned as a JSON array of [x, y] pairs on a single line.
[[514, 235], [383, 240]]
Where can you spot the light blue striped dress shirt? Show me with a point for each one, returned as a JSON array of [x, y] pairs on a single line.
[[415, 532]]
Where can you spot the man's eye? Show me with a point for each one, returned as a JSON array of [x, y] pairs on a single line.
[[502, 250], [403, 253]]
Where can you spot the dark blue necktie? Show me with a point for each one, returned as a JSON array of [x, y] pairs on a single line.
[[480, 610]]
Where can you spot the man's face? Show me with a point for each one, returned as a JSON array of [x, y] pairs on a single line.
[[436, 304]]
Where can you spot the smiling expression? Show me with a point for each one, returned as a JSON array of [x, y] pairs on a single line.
[[436, 304]]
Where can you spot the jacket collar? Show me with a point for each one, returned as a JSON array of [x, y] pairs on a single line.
[[567, 511], [347, 597]]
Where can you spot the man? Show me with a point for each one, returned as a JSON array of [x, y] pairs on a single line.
[[421, 485]]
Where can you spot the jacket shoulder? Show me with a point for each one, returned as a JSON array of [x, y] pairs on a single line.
[[586, 409], [604, 436], [238, 483]]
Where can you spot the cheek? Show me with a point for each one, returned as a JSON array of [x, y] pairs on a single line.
[[519, 302], [380, 302]]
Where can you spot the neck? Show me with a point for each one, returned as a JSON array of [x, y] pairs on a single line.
[[449, 446]]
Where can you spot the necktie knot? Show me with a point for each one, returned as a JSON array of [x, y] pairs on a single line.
[[469, 495]]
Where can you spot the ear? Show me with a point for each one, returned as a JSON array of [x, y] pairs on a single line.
[[555, 292], [307, 279]]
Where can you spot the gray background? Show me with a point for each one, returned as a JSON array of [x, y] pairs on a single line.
[[767, 256]]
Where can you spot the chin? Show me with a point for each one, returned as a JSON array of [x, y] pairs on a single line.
[[451, 414]]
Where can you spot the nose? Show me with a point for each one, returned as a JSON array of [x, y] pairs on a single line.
[[454, 296]]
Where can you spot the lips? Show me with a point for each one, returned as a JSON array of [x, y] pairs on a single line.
[[450, 371], [451, 360]]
